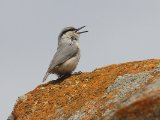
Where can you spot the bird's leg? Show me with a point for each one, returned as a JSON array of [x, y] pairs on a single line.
[[77, 73], [64, 76], [61, 78]]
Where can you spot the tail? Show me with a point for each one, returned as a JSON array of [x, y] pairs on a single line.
[[45, 77]]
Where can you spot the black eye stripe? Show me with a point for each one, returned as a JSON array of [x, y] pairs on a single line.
[[68, 30], [65, 31]]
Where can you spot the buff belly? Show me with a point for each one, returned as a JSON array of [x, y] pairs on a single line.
[[67, 67]]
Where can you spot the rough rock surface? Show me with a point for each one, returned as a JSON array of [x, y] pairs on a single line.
[[128, 91]]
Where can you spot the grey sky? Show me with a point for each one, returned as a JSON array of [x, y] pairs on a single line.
[[119, 31]]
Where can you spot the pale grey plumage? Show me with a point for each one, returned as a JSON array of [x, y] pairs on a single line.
[[67, 56], [63, 54]]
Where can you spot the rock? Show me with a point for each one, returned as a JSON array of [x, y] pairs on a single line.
[[11, 117], [144, 105], [128, 91]]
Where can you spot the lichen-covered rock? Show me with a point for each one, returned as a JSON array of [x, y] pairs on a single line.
[[128, 91], [144, 105]]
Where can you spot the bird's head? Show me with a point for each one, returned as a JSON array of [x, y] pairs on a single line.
[[70, 34]]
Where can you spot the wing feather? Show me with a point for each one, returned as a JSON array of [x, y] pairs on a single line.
[[63, 54]]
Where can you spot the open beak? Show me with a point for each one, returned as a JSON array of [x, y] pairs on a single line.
[[80, 29]]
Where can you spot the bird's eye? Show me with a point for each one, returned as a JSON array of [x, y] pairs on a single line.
[[73, 38]]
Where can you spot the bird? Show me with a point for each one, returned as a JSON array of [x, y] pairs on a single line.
[[67, 56]]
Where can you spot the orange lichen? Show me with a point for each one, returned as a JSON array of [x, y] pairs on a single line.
[[75, 91]]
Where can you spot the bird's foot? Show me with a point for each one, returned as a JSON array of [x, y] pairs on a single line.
[[77, 73], [62, 77]]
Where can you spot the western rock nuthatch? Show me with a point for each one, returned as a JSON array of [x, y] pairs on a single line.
[[67, 56]]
